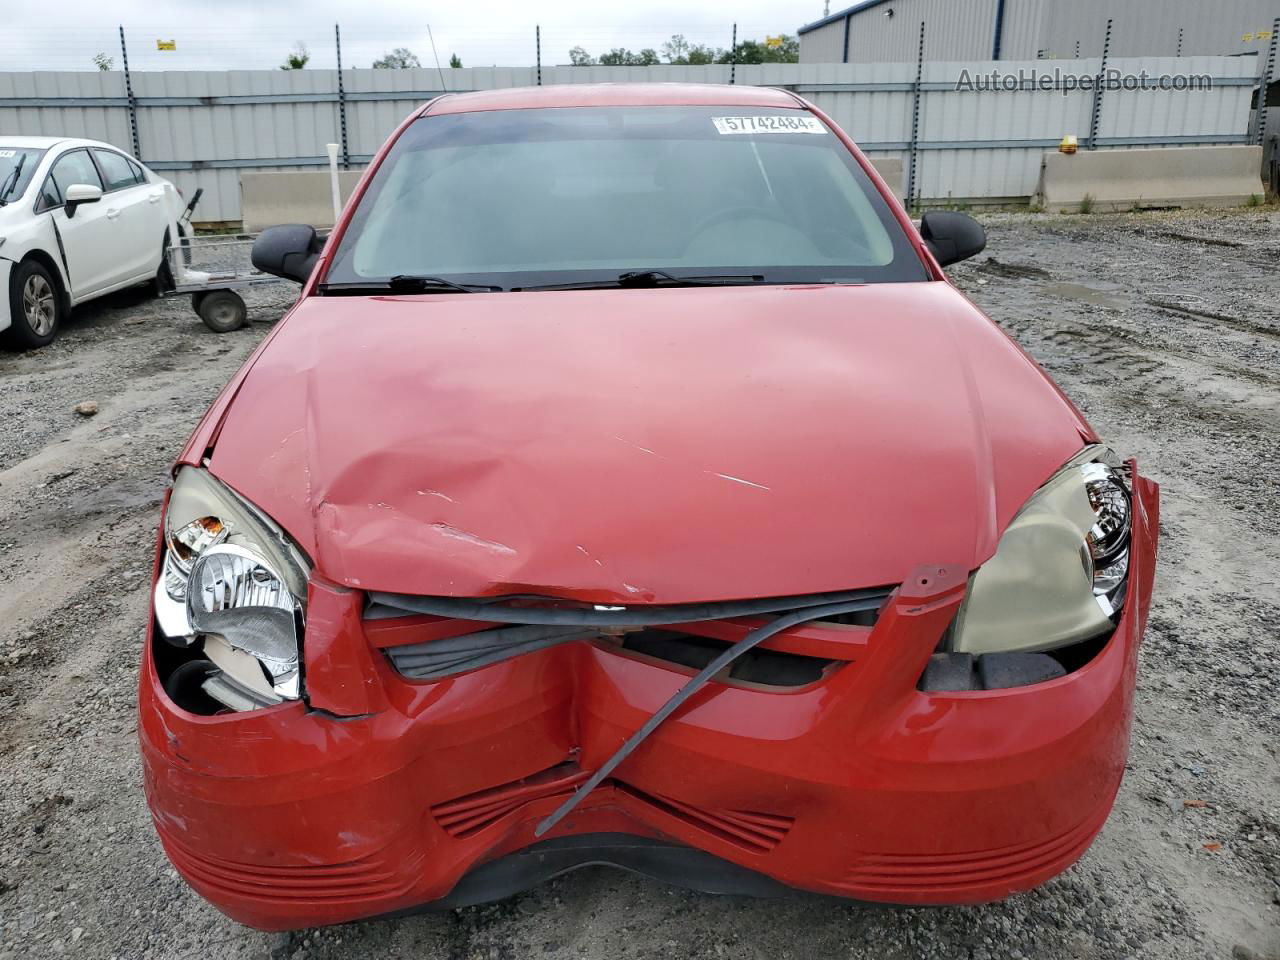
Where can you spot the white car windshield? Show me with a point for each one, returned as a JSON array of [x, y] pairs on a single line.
[[560, 196], [17, 167]]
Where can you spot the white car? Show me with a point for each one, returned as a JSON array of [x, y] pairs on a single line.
[[78, 219]]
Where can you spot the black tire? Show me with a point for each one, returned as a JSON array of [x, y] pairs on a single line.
[[222, 310], [31, 284]]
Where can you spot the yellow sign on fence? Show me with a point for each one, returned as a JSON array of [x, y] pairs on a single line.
[[166, 44]]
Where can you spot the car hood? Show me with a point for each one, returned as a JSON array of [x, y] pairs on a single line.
[[667, 446]]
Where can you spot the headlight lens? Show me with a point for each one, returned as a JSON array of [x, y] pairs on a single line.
[[1060, 572], [233, 588]]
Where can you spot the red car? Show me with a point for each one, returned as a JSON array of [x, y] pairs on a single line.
[[629, 486]]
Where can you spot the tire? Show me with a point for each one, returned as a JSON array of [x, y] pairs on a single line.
[[222, 310], [35, 306]]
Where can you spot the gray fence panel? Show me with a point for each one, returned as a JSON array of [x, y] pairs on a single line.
[[201, 129]]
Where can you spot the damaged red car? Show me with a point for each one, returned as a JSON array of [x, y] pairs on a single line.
[[629, 485]]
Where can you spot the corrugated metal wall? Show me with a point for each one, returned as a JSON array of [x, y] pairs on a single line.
[[954, 31], [957, 30], [823, 45], [964, 29], [1150, 28], [204, 129]]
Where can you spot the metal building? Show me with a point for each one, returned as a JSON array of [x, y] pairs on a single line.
[[889, 30]]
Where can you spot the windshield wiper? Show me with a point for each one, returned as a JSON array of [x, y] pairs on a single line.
[[409, 283], [11, 180], [654, 278]]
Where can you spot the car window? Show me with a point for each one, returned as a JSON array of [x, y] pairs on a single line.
[[117, 170], [49, 196], [17, 167], [564, 195], [72, 168], [138, 175]]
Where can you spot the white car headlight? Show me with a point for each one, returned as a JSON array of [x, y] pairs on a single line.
[[1060, 573], [233, 591]]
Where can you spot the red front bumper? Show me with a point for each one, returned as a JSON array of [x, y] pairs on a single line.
[[859, 785]]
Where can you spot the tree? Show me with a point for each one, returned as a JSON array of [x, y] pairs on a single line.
[[455, 61], [785, 49], [298, 59], [103, 62], [679, 50], [400, 58], [580, 58], [621, 57]]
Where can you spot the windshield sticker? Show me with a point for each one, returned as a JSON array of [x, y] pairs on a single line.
[[774, 124], [5, 154]]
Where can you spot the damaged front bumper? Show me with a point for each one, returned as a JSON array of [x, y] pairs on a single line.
[[385, 793], [6, 269]]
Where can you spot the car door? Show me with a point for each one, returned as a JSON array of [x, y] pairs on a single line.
[[87, 239], [140, 214]]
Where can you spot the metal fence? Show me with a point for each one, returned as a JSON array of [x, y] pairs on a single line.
[[958, 142]]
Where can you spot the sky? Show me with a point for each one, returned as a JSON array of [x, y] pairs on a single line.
[[254, 34]]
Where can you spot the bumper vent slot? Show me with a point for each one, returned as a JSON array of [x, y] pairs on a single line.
[[469, 815], [889, 874], [466, 816], [367, 878], [752, 831]]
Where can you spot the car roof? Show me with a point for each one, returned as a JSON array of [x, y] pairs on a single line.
[[44, 143], [613, 95]]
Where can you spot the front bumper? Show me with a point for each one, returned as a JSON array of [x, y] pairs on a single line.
[[6, 269], [858, 785]]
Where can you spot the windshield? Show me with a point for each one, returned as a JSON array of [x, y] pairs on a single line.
[[519, 198], [23, 162]]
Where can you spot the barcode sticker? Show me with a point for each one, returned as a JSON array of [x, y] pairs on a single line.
[[7, 153], [798, 123]]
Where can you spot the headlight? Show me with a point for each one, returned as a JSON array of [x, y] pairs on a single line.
[[232, 589], [1060, 573]]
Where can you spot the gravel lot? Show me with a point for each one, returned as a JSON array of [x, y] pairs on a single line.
[[1165, 328]]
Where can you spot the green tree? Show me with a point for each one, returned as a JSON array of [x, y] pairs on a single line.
[[681, 51], [621, 57], [753, 51], [400, 58], [580, 58], [298, 58], [103, 62], [455, 61]]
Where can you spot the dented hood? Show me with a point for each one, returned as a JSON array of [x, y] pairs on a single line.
[[665, 445]]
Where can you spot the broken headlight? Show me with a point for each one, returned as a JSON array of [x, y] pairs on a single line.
[[1060, 573], [232, 589]]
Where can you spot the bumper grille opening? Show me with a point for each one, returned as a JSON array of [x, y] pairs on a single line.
[[431, 638], [766, 667]]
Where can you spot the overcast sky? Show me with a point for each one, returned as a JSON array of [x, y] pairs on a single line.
[[249, 34]]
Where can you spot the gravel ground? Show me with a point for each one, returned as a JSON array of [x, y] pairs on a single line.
[[1165, 328]]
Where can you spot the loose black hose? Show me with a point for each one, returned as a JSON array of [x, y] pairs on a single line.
[[693, 686]]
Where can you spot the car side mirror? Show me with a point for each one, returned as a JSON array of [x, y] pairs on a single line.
[[288, 251], [952, 237], [77, 194]]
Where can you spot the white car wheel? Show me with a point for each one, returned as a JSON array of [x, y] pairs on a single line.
[[36, 306], [39, 305]]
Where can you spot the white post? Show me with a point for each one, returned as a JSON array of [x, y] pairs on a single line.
[[333, 181]]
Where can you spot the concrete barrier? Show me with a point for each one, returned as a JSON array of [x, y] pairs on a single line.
[[891, 172], [294, 196], [1118, 179]]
